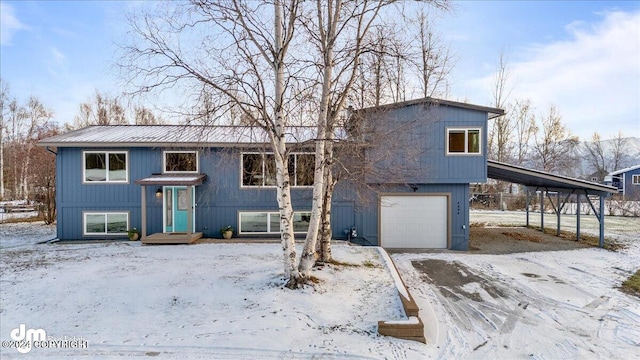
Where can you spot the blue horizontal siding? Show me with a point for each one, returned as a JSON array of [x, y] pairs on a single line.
[[418, 139]]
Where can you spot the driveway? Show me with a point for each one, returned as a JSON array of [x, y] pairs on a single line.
[[536, 305]]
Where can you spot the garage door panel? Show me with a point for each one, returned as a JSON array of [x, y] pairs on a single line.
[[414, 221]]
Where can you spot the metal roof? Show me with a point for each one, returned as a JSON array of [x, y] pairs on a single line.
[[172, 179], [492, 112], [621, 171], [550, 182], [172, 135]]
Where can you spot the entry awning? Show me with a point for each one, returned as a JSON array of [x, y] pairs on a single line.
[[549, 182], [173, 179]]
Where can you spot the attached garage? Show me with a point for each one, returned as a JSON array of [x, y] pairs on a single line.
[[414, 221]]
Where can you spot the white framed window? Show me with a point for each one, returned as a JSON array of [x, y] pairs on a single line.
[[259, 169], [464, 141], [105, 223], [180, 162], [268, 222], [105, 166], [635, 179]]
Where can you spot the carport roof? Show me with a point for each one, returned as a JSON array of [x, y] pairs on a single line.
[[549, 182]]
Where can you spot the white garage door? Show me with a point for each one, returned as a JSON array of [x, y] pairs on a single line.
[[416, 222]]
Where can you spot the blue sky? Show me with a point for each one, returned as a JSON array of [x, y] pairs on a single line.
[[581, 56]]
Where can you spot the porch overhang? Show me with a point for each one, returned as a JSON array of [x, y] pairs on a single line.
[[187, 180], [173, 180]]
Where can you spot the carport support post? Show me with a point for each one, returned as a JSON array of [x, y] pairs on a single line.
[[527, 204], [558, 210], [601, 215], [578, 218], [542, 211]]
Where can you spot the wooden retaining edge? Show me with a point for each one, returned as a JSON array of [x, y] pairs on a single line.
[[411, 329]]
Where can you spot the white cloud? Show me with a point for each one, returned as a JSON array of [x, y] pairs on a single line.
[[9, 24], [57, 55], [593, 78]]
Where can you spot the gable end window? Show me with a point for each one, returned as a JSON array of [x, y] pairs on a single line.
[[105, 166], [635, 179], [180, 162], [462, 141], [259, 169]]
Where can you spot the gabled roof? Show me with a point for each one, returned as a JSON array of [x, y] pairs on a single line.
[[172, 135], [550, 182], [622, 171], [492, 112]]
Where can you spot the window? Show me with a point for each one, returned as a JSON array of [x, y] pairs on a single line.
[[106, 223], [260, 169], [105, 166], [463, 141], [180, 162], [635, 179], [269, 222]]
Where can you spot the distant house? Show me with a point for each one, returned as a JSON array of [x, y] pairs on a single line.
[[627, 181], [179, 183]]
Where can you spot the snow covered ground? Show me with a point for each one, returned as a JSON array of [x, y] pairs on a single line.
[[225, 301], [198, 301], [540, 305]]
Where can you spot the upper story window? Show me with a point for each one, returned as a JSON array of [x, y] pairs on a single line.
[[105, 166], [464, 141], [180, 162], [259, 169], [635, 179]]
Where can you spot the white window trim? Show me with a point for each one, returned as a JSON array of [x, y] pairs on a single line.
[[164, 161], [293, 178], [466, 140], [84, 222], [269, 213], [84, 166], [635, 179]]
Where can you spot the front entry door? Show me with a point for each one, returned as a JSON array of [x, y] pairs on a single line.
[[176, 205]]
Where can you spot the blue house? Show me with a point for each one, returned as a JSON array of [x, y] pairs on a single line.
[[179, 183], [627, 181]]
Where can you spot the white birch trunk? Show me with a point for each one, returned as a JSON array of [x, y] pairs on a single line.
[[308, 256], [278, 141], [325, 231]]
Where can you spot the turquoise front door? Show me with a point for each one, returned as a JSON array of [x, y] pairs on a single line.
[[176, 205]]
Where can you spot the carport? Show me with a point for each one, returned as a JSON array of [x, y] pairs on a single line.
[[562, 187]]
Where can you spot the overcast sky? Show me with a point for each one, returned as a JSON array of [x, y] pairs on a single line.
[[581, 56]]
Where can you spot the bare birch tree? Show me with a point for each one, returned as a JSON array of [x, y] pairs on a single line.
[[339, 33], [499, 141], [552, 144], [435, 60], [4, 111], [239, 53], [596, 156], [604, 159], [101, 109], [524, 129], [36, 116]]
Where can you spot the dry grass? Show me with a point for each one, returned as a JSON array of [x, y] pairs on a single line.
[[521, 236], [632, 284], [586, 239], [22, 220]]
